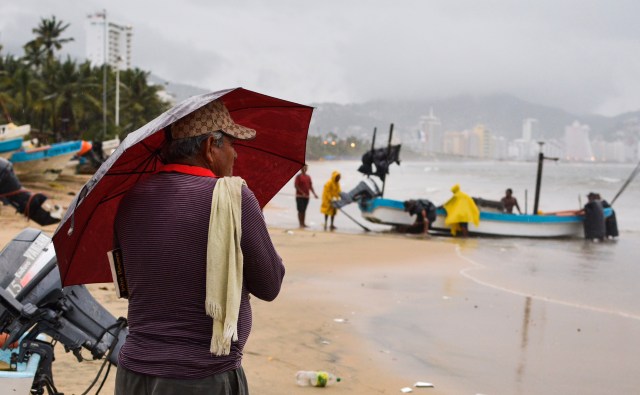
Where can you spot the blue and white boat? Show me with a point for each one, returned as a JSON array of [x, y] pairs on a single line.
[[8, 146], [11, 131], [551, 225], [45, 162]]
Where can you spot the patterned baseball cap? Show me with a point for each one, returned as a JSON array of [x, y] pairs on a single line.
[[210, 118]]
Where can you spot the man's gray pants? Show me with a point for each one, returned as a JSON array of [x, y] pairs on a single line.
[[232, 382]]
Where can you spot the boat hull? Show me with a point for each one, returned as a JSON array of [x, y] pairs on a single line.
[[391, 212], [45, 163], [11, 131], [7, 147]]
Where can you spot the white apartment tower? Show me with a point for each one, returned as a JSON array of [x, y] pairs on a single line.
[[527, 128], [108, 41], [576, 142], [431, 133]]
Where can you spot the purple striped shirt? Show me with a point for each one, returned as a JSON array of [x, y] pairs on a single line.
[[162, 226]]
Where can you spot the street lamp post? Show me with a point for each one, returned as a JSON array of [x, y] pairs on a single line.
[[117, 122], [104, 74]]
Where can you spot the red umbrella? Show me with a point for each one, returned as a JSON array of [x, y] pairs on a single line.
[[267, 163]]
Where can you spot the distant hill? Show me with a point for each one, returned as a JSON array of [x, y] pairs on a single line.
[[178, 91], [502, 114]]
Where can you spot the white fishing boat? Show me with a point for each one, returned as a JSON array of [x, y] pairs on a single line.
[[44, 162], [108, 146], [11, 131], [551, 225]]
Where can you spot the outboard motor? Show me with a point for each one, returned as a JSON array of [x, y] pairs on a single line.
[[362, 192], [33, 302]]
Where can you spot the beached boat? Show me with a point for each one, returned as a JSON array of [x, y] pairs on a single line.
[[12, 131], [7, 147], [492, 223], [45, 162], [108, 146]]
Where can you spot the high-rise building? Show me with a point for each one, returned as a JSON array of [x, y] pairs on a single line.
[[527, 128], [430, 135], [108, 41], [481, 142], [576, 142]]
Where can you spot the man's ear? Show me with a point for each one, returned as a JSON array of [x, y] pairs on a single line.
[[208, 146]]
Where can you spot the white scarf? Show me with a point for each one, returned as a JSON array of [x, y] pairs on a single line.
[[224, 263]]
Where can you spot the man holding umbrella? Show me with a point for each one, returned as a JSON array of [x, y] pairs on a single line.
[[194, 246]]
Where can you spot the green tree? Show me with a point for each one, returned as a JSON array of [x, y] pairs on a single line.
[[42, 49], [139, 98], [62, 99]]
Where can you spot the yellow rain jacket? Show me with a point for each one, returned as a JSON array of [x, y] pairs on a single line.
[[460, 208], [331, 192]]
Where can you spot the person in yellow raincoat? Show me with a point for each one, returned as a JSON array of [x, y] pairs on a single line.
[[461, 209], [330, 193]]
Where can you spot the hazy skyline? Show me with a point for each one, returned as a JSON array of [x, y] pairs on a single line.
[[579, 55]]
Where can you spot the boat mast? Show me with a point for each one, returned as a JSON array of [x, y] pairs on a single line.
[[388, 154], [373, 141], [541, 158]]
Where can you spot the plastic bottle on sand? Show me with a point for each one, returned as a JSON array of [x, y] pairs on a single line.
[[315, 378]]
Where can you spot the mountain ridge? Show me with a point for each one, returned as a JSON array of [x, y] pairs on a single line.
[[501, 113]]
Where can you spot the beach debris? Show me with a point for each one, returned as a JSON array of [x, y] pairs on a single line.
[[340, 320], [406, 390], [289, 232], [325, 342], [423, 384], [316, 378], [445, 297]]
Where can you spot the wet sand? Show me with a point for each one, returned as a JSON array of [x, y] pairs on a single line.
[[384, 311]]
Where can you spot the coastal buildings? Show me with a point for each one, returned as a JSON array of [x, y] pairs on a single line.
[[107, 40], [481, 143]]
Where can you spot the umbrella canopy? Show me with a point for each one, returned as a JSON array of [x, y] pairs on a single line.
[[267, 163]]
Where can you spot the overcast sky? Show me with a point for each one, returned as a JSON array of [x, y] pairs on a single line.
[[580, 55]]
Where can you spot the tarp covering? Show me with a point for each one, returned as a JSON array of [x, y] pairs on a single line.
[[381, 159]]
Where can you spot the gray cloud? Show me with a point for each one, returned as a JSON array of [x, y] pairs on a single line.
[[581, 55]]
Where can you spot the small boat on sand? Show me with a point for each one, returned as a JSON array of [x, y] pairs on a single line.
[[7, 147], [44, 162], [492, 223], [11, 131]]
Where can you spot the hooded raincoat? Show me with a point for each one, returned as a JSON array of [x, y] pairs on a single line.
[[330, 192], [460, 208]]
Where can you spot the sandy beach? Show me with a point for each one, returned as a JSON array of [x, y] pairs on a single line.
[[342, 292], [313, 325]]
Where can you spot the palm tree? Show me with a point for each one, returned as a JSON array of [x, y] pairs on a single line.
[[27, 90], [47, 39], [140, 99]]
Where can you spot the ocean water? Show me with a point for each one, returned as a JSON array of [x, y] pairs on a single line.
[[542, 316], [564, 187]]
